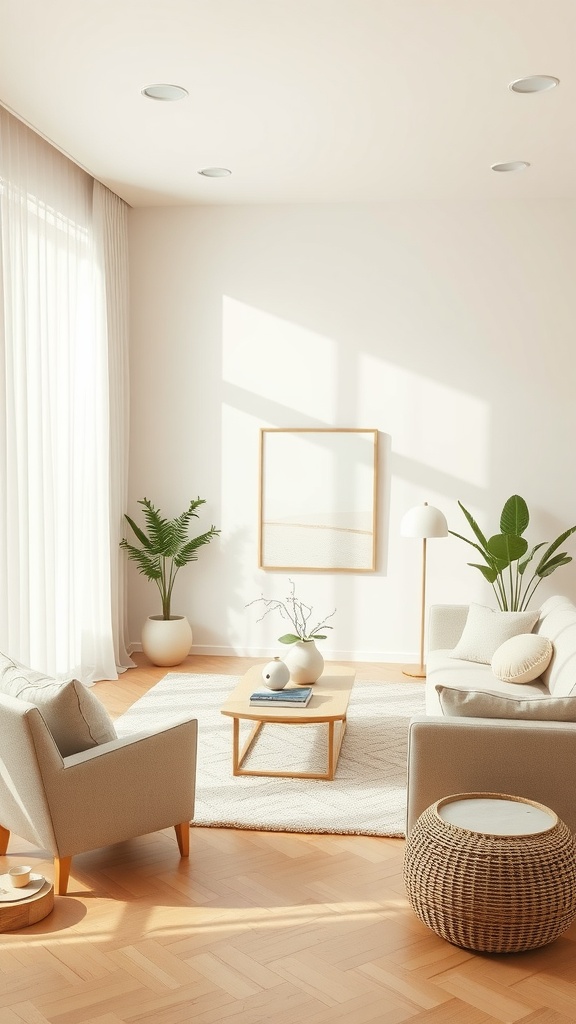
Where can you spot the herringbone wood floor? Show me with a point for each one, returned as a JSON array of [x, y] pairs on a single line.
[[257, 927]]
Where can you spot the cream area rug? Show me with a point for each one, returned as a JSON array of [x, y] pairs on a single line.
[[367, 796]]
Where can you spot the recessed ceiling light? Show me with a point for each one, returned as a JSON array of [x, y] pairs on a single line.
[[215, 172], [511, 165], [165, 92], [534, 83]]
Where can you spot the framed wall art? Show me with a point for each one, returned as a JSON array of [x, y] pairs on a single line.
[[318, 492]]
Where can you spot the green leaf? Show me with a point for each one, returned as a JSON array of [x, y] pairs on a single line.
[[555, 544], [139, 534], [515, 516], [474, 527], [289, 638], [187, 553], [318, 636], [525, 562], [507, 547], [549, 567], [161, 530], [148, 565], [488, 571]]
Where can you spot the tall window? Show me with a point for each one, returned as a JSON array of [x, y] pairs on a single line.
[[63, 408]]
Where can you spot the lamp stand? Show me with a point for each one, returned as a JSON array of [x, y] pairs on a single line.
[[419, 671]]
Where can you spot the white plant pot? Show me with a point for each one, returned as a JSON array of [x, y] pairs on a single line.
[[275, 674], [304, 661], [166, 641]]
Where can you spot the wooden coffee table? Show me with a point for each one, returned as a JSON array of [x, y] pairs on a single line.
[[329, 703]]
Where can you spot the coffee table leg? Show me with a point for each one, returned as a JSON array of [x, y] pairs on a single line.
[[235, 744], [334, 747], [238, 757], [331, 764]]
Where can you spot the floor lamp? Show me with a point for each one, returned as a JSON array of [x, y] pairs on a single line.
[[422, 521]]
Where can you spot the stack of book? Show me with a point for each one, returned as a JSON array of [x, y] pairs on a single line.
[[297, 698]]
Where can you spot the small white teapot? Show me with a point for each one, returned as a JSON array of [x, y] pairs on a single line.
[[275, 674]]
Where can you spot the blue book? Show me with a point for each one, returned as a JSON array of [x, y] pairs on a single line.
[[282, 698]]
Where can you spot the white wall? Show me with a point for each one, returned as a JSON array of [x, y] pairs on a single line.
[[449, 328]]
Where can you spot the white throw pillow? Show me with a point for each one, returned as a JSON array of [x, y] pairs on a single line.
[[484, 704], [522, 658], [75, 717], [486, 629]]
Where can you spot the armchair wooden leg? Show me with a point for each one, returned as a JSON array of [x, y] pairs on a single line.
[[61, 874], [4, 839], [183, 836]]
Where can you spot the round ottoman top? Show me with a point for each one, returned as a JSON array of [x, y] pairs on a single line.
[[496, 814]]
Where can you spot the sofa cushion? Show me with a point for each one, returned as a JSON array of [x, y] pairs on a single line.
[[75, 717], [558, 623], [486, 629], [522, 658], [442, 668], [486, 704]]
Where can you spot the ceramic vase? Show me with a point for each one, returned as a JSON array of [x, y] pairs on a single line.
[[304, 661], [166, 641], [275, 674]]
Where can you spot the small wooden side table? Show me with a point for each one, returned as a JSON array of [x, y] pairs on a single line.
[[491, 872], [23, 913]]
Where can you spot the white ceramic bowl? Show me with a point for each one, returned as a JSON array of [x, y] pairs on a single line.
[[20, 875]]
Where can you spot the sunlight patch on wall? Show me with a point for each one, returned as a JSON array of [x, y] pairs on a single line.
[[432, 424], [273, 358]]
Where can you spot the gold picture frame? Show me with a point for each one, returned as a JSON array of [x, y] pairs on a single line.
[[318, 496]]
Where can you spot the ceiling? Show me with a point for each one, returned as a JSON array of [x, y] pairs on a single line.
[[305, 101]]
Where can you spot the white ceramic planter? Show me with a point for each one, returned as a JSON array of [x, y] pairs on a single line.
[[304, 661], [166, 641]]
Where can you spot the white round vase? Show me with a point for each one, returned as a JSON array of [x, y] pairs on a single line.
[[275, 674], [304, 661], [166, 641]]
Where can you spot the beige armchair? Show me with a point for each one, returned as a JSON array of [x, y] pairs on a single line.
[[106, 794]]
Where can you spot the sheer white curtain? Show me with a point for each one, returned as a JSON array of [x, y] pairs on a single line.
[[63, 430], [110, 219]]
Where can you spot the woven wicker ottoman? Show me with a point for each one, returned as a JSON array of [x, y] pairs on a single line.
[[492, 873]]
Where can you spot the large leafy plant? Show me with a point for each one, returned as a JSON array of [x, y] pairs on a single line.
[[509, 561], [166, 547]]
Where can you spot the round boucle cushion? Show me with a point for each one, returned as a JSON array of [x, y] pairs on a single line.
[[522, 658]]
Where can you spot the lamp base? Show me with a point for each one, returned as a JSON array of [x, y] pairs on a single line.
[[415, 671]]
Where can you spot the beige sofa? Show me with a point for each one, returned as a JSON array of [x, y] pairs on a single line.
[[534, 759]]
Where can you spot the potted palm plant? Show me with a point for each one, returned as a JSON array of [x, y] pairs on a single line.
[[164, 549]]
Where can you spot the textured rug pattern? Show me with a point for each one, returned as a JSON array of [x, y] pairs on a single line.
[[367, 796]]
